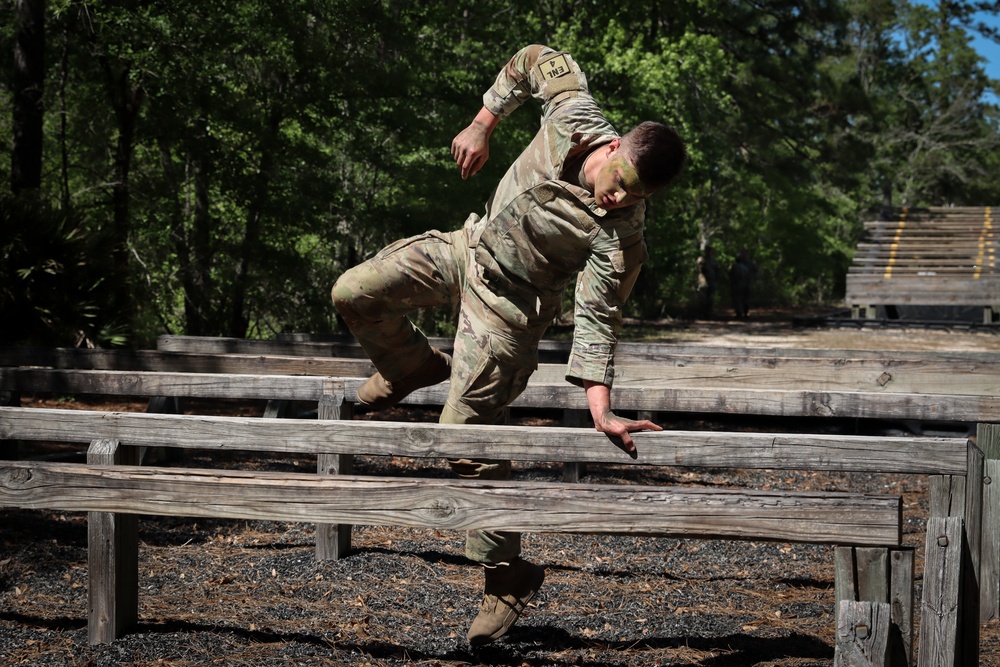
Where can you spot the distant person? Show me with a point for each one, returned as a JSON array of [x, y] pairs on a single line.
[[708, 278], [741, 277]]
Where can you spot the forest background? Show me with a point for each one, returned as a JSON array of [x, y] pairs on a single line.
[[209, 168]]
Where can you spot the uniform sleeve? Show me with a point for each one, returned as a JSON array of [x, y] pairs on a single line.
[[535, 71], [601, 291]]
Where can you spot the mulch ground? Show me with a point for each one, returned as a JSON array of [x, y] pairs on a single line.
[[228, 592]]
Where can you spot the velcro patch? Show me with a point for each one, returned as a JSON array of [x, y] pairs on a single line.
[[554, 67]]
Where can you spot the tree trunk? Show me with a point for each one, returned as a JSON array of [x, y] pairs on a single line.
[[126, 100], [28, 85], [239, 320], [199, 309]]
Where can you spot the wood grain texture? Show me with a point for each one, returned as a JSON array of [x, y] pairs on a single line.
[[816, 517], [526, 443]]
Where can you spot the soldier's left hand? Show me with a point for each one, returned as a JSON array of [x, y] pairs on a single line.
[[618, 429]]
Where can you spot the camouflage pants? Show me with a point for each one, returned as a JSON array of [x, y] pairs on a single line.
[[491, 362]]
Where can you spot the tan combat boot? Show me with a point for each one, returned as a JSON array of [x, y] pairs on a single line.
[[509, 588], [378, 393]]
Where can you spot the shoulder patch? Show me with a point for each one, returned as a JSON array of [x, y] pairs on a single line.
[[554, 67]]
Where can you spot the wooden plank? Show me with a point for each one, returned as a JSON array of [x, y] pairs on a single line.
[[183, 362], [651, 352], [928, 270], [919, 455], [937, 241], [572, 471], [214, 345], [112, 557], [939, 283], [775, 402], [625, 352], [988, 441], [973, 536], [633, 358], [873, 574], [811, 517], [845, 377], [897, 295], [141, 383], [863, 632], [879, 576], [940, 607], [947, 495], [902, 613], [962, 379], [923, 290], [989, 578], [943, 284], [309, 345]]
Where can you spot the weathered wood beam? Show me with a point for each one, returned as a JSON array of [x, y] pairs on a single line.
[[809, 517], [145, 383], [526, 443]]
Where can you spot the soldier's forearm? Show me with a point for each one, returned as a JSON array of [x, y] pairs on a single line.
[[598, 399], [487, 120]]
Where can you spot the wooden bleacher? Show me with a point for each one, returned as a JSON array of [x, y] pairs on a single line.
[[927, 257]]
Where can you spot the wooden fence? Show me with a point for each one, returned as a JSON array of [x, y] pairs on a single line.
[[637, 389], [115, 492]]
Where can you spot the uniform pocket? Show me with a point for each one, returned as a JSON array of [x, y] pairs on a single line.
[[501, 374]]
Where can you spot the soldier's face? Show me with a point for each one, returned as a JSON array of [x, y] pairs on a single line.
[[617, 184]]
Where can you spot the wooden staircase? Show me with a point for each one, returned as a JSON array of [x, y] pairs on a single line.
[[927, 257]]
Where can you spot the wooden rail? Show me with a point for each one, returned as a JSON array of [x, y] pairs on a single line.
[[727, 393], [554, 351], [808, 517], [778, 451]]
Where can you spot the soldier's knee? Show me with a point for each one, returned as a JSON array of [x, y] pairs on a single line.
[[344, 294], [358, 295]]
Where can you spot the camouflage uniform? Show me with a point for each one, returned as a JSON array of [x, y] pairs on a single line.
[[506, 270]]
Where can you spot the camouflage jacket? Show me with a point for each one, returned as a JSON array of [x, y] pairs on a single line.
[[541, 231]]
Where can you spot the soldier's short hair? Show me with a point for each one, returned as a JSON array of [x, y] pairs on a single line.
[[656, 151]]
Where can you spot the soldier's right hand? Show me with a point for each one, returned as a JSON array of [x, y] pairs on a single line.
[[471, 148]]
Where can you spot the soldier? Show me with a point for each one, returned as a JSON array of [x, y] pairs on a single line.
[[573, 202]]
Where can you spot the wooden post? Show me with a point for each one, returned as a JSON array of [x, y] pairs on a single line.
[[275, 409], [867, 312], [878, 575], [333, 541], [971, 554], [113, 557], [947, 495], [901, 608], [161, 405], [989, 555], [940, 608], [572, 471], [863, 630], [988, 440], [12, 449], [956, 496]]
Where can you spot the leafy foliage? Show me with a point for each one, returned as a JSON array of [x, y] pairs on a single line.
[[210, 168]]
